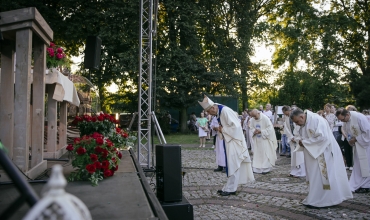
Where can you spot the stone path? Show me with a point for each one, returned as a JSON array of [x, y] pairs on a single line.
[[271, 196]]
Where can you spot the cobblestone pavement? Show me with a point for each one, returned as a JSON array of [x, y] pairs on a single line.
[[271, 196]]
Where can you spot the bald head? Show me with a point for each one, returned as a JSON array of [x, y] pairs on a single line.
[[255, 114]]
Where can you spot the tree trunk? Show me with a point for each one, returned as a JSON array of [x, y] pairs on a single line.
[[183, 120]]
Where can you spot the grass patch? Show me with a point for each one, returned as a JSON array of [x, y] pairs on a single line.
[[179, 139]]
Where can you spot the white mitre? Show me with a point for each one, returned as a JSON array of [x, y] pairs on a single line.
[[206, 104]]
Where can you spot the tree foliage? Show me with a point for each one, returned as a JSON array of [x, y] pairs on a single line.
[[321, 50]]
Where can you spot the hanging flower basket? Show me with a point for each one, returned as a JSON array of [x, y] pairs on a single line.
[[55, 57]]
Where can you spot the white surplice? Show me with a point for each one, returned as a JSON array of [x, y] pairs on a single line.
[[219, 146], [239, 167], [265, 144], [359, 127], [297, 158], [246, 130], [325, 171]]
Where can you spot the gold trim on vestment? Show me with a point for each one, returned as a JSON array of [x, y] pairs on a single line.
[[324, 172]]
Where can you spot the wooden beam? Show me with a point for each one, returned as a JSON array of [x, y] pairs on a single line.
[[63, 125], [7, 95], [11, 20], [9, 29], [22, 120], [38, 102], [52, 121]]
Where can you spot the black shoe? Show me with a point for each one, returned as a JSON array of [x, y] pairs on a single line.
[[362, 190], [227, 193], [219, 191], [282, 155], [219, 169], [311, 207], [264, 173], [288, 156], [223, 170]]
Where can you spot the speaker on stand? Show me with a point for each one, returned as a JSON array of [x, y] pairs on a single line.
[[169, 183], [168, 173], [92, 52]]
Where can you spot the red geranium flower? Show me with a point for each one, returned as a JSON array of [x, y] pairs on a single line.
[[109, 143], [97, 165], [91, 168], [104, 153], [87, 118], [101, 118], [98, 149], [99, 140], [81, 150], [105, 164], [96, 135], [119, 154], [125, 135], [93, 157], [69, 147], [108, 173], [77, 140]]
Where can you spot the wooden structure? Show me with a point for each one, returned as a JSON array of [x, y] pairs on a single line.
[[21, 108]]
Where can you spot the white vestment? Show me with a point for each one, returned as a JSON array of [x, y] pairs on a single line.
[[325, 171], [219, 147], [246, 130], [265, 144], [239, 169], [297, 158], [269, 115], [359, 127]]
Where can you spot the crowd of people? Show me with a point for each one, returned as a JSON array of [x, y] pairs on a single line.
[[321, 147]]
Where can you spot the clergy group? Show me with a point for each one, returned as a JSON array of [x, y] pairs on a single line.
[[314, 150]]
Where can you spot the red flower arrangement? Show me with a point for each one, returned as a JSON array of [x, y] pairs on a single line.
[[96, 154], [95, 158], [105, 124], [55, 56], [102, 123]]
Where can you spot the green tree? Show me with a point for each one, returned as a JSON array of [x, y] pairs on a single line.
[[180, 78], [304, 35]]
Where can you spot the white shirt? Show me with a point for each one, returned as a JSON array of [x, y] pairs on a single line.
[[268, 113]]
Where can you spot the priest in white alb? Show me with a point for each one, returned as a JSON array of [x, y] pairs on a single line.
[[325, 172], [292, 133], [238, 161], [219, 146], [357, 128], [265, 143]]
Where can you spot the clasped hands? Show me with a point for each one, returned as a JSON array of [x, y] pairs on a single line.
[[256, 132], [352, 141], [300, 143]]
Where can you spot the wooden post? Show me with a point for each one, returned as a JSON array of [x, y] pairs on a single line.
[[22, 99], [7, 94], [52, 122], [38, 98], [21, 27], [62, 125]]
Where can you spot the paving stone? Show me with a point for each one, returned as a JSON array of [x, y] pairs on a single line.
[[271, 196]]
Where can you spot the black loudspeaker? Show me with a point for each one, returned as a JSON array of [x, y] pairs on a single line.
[[179, 210], [168, 173], [92, 52]]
